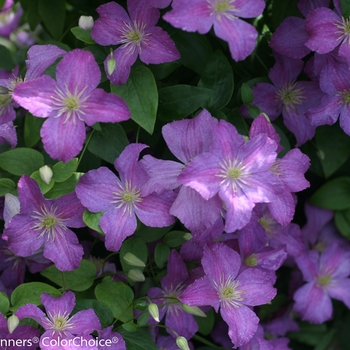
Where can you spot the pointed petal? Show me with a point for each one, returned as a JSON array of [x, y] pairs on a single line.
[[31, 311], [340, 291], [115, 234], [177, 271], [242, 322], [70, 209], [95, 189], [105, 107], [85, 322], [61, 305], [64, 250]]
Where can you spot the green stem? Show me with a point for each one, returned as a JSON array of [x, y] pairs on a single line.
[[137, 135], [207, 342], [85, 147]]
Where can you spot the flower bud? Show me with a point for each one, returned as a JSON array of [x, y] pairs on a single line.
[[154, 311], [181, 342], [136, 275], [12, 323], [46, 174], [193, 310], [111, 65], [11, 207], [86, 22], [187, 236], [133, 260]]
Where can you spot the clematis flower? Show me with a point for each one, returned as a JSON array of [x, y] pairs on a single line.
[[233, 292], [70, 103], [334, 81], [327, 277], [8, 134], [290, 97], [123, 200], [10, 18], [238, 171], [45, 222], [166, 297], [57, 322], [137, 35], [201, 15]]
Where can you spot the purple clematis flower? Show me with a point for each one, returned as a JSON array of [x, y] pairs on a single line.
[[290, 97], [45, 222], [70, 103], [201, 15], [137, 34], [334, 81], [233, 292], [123, 200], [10, 18], [236, 170], [327, 30], [59, 326], [166, 297], [326, 277], [8, 134]]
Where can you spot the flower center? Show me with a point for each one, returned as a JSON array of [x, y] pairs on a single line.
[[232, 173], [70, 104], [48, 222], [345, 97], [221, 8], [58, 323], [323, 281], [228, 292], [344, 30], [127, 197], [269, 224], [290, 95], [251, 261], [133, 35]]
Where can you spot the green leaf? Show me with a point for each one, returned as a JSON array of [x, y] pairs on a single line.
[[83, 35], [141, 95], [218, 76], [2, 2], [101, 310], [32, 126], [21, 161], [253, 111], [92, 220], [342, 221], [334, 194], [246, 94], [139, 340], [6, 61], [7, 186], [151, 234], [333, 148], [4, 301], [30, 293], [206, 324], [174, 238], [195, 50], [309, 333], [63, 171], [179, 101], [108, 143], [53, 14], [161, 254], [345, 7], [31, 8], [61, 188], [118, 296], [130, 326], [77, 280], [44, 187]]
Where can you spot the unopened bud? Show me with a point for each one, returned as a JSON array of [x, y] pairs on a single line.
[[11, 207], [182, 343], [187, 236], [111, 65], [133, 260], [12, 323], [154, 311], [136, 275], [46, 174], [86, 22], [193, 310]]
